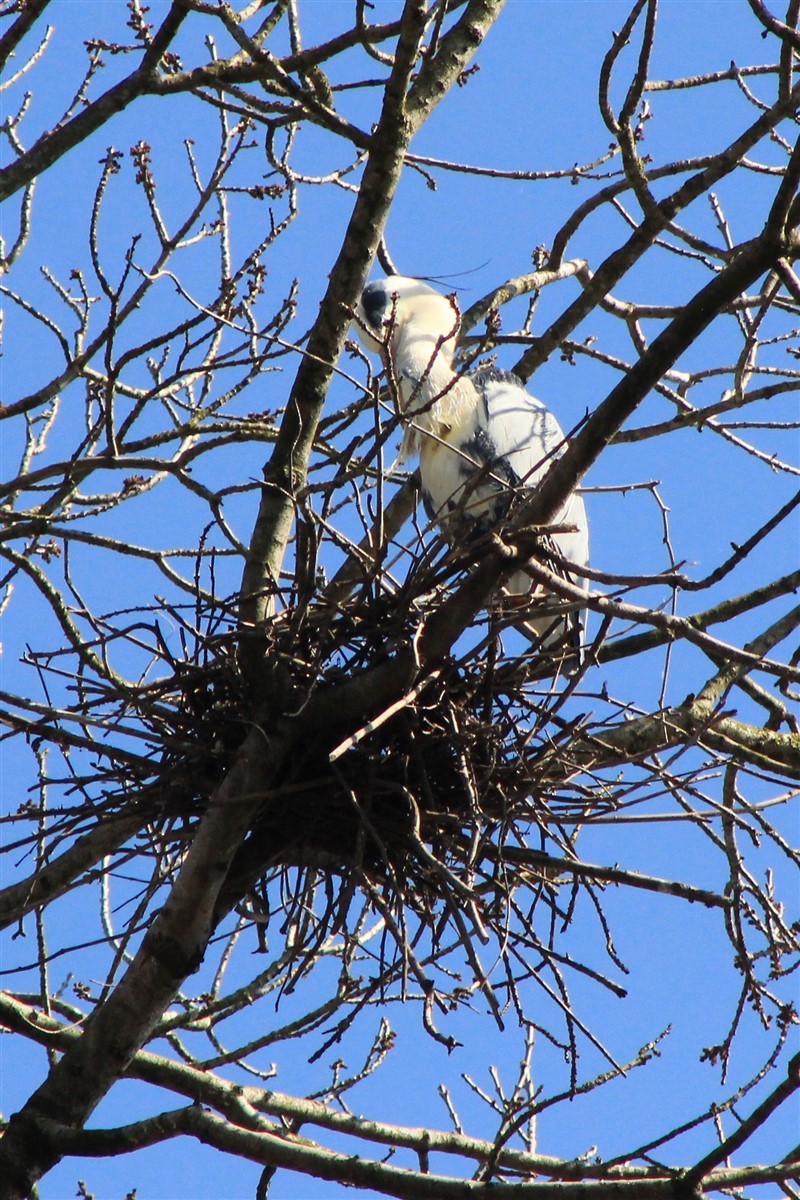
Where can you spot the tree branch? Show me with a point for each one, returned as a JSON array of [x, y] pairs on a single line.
[[285, 473], [54, 144], [55, 878]]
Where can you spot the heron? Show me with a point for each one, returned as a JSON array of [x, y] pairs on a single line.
[[482, 440]]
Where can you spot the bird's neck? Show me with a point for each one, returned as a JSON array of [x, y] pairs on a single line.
[[430, 390]]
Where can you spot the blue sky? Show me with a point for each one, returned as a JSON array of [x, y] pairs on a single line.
[[532, 106]]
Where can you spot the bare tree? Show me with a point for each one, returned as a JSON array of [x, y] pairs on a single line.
[[321, 739]]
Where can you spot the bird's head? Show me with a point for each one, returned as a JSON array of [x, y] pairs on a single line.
[[394, 310]]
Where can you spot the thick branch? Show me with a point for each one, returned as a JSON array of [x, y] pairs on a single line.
[[16, 32], [786, 1088], [172, 948], [285, 473], [54, 144], [234, 1101], [316, 1162], [57, 877], [644, 736], [442, 70]]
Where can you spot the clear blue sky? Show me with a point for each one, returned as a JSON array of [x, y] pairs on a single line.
[[532, 106]]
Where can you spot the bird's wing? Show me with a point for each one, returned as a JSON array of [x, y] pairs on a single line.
[[467, 480], [522, 432], [498, 439], [505, 440], [525, 435]]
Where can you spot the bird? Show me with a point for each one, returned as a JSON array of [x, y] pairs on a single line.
[[482, 440]]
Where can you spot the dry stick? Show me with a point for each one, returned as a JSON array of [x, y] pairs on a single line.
[[537, 860], [786, 1088], [395, 515], [520, 285], [726, 610], [387, 714]]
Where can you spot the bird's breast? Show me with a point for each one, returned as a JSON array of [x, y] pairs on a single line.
[[464, 486]]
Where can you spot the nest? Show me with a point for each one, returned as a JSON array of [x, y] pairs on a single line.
[[408, 808], [433, 822]]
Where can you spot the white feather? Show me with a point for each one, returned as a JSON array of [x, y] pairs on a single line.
[[480, 438]]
